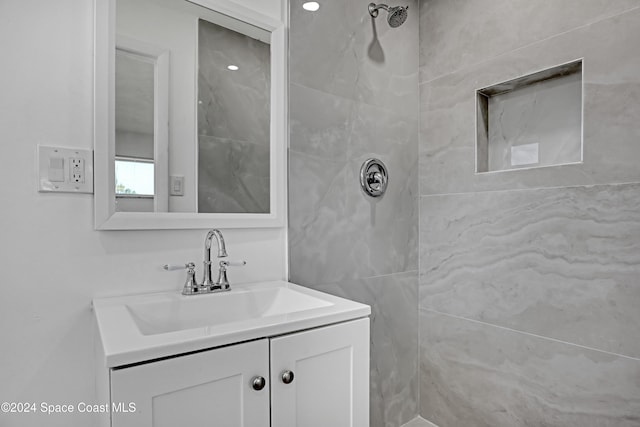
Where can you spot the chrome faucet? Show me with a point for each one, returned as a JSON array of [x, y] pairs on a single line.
[[191, 286], [222, 253]]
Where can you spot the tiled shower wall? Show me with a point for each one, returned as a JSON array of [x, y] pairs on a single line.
[[353, 95], [529, 288], [233, 121]]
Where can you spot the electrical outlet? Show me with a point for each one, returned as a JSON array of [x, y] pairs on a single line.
[[67, 170], [76, 169]]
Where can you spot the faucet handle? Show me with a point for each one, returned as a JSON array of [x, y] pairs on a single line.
[[223, 281], [173, 267], [190, 285], [226, 263]]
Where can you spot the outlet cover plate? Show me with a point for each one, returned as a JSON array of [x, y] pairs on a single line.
[[52, 179]]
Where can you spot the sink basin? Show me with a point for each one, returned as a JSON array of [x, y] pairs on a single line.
[[139, 328], [175, 313]]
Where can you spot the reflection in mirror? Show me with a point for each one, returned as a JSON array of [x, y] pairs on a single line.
[[134, 168], [220, 163], [233, 121], [192, 110]]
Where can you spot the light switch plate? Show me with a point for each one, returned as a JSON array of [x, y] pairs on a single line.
[[176, 184], [66, 170]]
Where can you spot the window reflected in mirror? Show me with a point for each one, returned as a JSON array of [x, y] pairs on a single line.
[[134, 177]]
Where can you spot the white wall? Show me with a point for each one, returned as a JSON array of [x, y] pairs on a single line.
[[52, 261], [273, 8]]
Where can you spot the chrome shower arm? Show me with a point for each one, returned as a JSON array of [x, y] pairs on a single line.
[[397, 14], [374, 9]]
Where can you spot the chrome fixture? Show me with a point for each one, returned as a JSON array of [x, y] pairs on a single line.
[[191, 286], [222, 253], [287, 377], [258, 383], [222, 272], [374, 178], [397, 14]]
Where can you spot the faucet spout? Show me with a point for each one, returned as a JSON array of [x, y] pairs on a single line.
[[222, 249], [222, 252]]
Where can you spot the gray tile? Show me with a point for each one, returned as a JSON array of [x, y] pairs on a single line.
[[562, 263], [394, 343], [476, 375], [459, 33], [318, 240], [536, 125], [611, 126], [233, 104], [233, 176], [385, 229], [353, 235], [320, 123], [341, 50]]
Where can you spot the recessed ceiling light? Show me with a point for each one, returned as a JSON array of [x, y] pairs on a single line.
[[311, 6], [233, 67]]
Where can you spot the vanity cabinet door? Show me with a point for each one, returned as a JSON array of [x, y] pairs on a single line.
[[330, 382], [211, 388]]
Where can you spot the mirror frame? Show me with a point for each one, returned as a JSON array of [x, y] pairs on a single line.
[[106, 217]]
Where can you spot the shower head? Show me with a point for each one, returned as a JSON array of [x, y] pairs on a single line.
[[397, 14]]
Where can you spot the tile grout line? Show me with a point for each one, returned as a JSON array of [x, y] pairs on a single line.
[[476, 64], [316, 156], [366, 277], [355, 101], [555, 187], [421, 119], [388, 274], [531, 334]]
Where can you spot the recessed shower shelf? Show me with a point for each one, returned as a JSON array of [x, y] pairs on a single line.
[[532, 121]]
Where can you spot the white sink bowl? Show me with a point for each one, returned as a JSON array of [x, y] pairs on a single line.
[[145, 327], [172, 312]]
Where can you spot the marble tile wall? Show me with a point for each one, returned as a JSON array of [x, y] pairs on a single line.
[[562, 263], [233, 121], [394, 342], [537, 125], [482, 376], [529, 279], [611, 109], [455, 34], [233, 175], [353, 95]]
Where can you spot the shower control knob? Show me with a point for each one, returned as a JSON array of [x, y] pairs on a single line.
[[258, 383], [374, 177], [375, 180], [287, 377]]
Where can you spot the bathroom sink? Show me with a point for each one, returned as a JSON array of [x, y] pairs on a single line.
[[174, 312], [139, 328]]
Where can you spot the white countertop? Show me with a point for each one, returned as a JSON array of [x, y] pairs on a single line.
[[126, 340]]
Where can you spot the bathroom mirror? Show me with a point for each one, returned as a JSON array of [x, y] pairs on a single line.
[[190, 115]]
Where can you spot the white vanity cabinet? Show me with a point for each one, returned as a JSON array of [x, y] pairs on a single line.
[[313, 378], [210, 388], [330, 384]]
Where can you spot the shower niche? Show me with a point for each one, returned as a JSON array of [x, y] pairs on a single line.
[[532, 121]]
